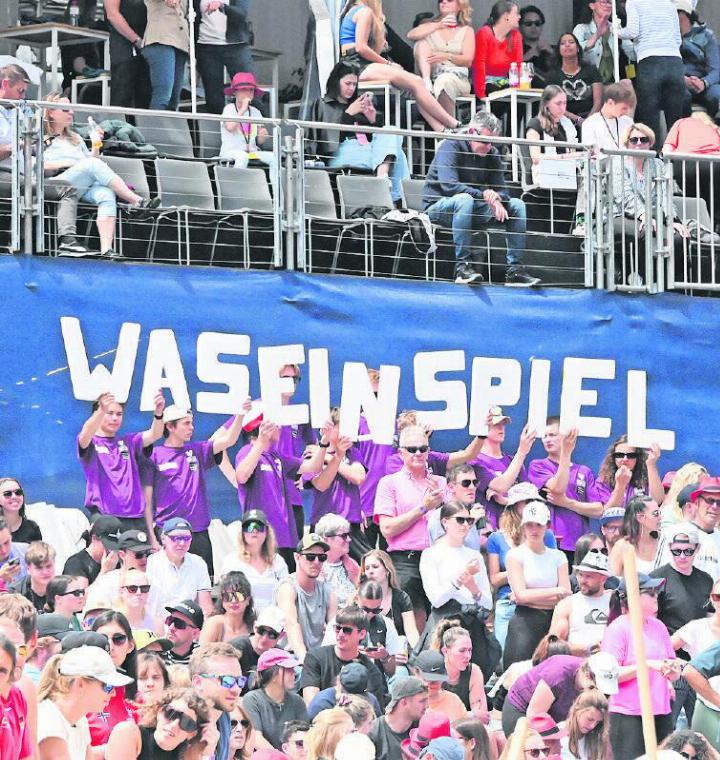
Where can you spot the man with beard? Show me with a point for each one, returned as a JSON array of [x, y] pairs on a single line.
[[182, 627]]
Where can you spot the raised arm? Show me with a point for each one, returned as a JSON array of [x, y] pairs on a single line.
[[502, 483], [655, 487], [471, 451], [245, 469], [93, 423], [155, 431], [228, 437]]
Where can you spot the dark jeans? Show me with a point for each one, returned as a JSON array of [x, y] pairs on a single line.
[[130, 83], [626, 736], [407, 565], [167, 70], [212, 61], [201, 546], [660, 86], [684, 697], [525, 630]]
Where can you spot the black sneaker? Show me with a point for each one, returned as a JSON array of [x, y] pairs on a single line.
[[466, 274], [519, 278], [112, 255], [69, 246]]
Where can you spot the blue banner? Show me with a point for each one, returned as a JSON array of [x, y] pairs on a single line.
[[446, 341]]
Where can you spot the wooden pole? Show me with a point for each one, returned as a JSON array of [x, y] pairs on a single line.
[[517, 740], [638, 641], [616, 44]]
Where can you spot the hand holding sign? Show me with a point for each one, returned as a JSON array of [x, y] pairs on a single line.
[[342, 446], [266, 434], [568, 441], [159, 403], [653, 453], [527, 438], [105, 400]]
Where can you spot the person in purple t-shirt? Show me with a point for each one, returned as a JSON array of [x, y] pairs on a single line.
[[111, 462], [496, 471], [627, 472], [178, 474], [570, 487]]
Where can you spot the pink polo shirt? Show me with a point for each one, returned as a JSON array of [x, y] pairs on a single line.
[[399, 493]]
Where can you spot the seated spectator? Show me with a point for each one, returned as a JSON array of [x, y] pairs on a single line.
[[701, 58], [627, 472], [353, 678], [362, 44], [474, 737], [274, 702], [702, 674], [596, 36], [340, 571], [673, 503], [429, 667], [361, 712], [325, 732], [152, 677], [534, 746], [243, 141], [611, 524], [40, 560], [102, 543], [17, 739], [408, 703], [67, 157], [685, 742], [258, 558], [498, 44], [293, 739], [433, 724], [66, 596], [269, 626], [444, 51], [12, 510], [51, 629], [128, 69], [641, 525], [587, 728], [465, 187], [175, 724], [166, 47], [182, 626], [579, 80], [133, 601], [13, 568], [234, 613], [536, 50], [307, 602], [242, 734]]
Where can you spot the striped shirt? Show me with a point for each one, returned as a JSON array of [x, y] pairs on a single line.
[[654, 27]]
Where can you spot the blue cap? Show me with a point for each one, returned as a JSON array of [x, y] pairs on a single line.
[[444, 748], [613, 513], [176, 523]]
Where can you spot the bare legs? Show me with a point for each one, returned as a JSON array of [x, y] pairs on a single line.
[[118, 186], [106, 231]]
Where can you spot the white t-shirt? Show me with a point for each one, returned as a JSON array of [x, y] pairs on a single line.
[[53, 724], [698, 637], [440, 566], [263, 584], [539, 570], [240, 141], [174, 584]]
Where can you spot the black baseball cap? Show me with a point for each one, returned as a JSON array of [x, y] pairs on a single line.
[[431, 665], [191, 610], [107, 529], [255, 515], [55, 625], [134, 541], [84, 639]]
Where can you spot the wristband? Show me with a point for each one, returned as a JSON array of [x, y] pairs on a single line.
[[157, 417], [423, 509]]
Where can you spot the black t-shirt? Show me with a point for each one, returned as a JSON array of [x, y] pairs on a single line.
[[577, 87], [401, 602], [82, 564], [683, 598], [24, 587], [388, 744], [27, 532], [559, 136], [248, 659]]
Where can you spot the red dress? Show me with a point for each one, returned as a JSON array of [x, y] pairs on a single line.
[[493, 58]]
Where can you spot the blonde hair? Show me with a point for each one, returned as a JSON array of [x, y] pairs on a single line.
[[328, 727], [357, 707], [638, 127], [531, 733], [179, 675], [120, 603], [378, 26], [52, 683], [355, 746], [67, 132], [268, 550], [510, 523], [596, 741], [39, 553], [464, 13], [687, 474], [549, 125], [386, 561]]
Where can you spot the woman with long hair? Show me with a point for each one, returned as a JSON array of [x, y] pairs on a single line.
[[258, 559], [152, 677], [534, 746], [12, 509], [234, 613], [377, 565], [242, 734], [362, 42], [596, 36], [627, 471], [133, 601], [474, 737], [326, 731], [685, 742], [444, 51], [114, 625], [16, 739], [498, 45], [67, 157], [176, 727], [587, 727], [688, 474], [641, 526]]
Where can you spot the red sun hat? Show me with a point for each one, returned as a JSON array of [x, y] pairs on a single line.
[[242, 80], [433, 725]]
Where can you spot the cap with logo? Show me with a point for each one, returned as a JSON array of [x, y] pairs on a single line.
[[275, 656], [191, 611], [134, 541], [521, 492], [92, 662], [707, 485], [176, 523], [606, 670], [433, 724], [354, 678], [683, 533], [612, 513], [53, 625], [107, 529], [431, 665], [594, 562], [535, 512], [255, 515], [145, 639], [173, 413], [309, 540], [271, 617], [407, 686]]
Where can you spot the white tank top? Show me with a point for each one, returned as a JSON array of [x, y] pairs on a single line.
[[588, 619]]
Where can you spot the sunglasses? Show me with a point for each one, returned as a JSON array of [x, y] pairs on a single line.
[[254, 527], [134, 589], [533, 23], [118, 639], [143, 554], [344, 536], [186, 723], [468, 482], [683, 552], [243, 723], [107, 688], [233, 596], [463, 520], [227, 682], [417, 449], [711, 502], [639, 140], [315, 557], [180, 539], [687, 755], [261, 630], [181, 625], [77, 593], [16, 492], [371, 610], [346, 629], [625, 455]]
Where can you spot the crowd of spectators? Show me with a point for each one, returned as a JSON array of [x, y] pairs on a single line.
[[429, 602]]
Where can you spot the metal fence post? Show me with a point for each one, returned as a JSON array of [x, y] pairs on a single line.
[[288, 205], [15, 185], [300, 200], [27, 204]]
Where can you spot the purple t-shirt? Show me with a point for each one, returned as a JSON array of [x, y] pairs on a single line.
[[267, 490], [605, 492], [437, 463], [112, 473], [565, 523], [559, 673], [179, 484], [488, 468], [374, 455], [342, 498], [292, 442]]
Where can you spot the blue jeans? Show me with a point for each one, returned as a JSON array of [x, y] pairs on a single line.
[[462, 211], [504, 610], [660, 86], [167, 72], [91, 177], [212, 61]]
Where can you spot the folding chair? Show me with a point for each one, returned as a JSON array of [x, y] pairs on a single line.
[[171, 136]]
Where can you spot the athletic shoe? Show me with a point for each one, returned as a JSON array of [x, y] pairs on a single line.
[[466, 274], [519, 278]]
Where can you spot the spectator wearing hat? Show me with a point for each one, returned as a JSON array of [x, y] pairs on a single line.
[[570, 486], [625, 715], [274, 702], [539, 579], [432, 725], [101, 550], [430, 667], [51, 629], [701, 58], [182, 627], [13, 568], [703, 676], [551, 733], [581, 619], [175, 572], [611, 522], [689, 474], [408, 703], [258, 558], [353, 678], [12, 509], [147, 641], [111, 461], [179, 467], [268, 627], [443, 748], [307, 602], [508, 536], [40, 563]]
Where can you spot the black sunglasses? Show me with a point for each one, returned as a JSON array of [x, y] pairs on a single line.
[[77, 593], [625, 455], [16, 492], [135, 589], [467, 482], [416, 449], [118, 639], [371, 610], [261, 630], [244, 722], [711, 502], [346, 629], [181, 625], [144, 554], [186, 723], [463, 520], [684, 552], [315, 557], [639, 140]]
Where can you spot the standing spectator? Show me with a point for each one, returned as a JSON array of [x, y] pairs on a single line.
[[408, 703], [627, 471], [444, 51], [102, 543], [536, 50], [127, 20], [16, 742], [498, 44], [466, 188], [12, 508], [660, 84], [223, 44], [626, 737], [611, 524], [183, 626], [701, 58], [538, 579], [307, 602], [40, 560], [340, 572], [641, 524], [234, 613], [166, 46], [596, 36]]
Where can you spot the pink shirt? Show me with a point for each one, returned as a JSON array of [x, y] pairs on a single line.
[[14, 735], [618, 641], [396, 495]]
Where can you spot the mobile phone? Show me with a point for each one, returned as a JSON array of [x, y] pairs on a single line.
[[370, 97], [13, 562]]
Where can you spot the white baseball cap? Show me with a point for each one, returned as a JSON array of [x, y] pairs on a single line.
[[92, 662], [523, 491], [535, 512], [174, 413], [271, 617], [606, 670]]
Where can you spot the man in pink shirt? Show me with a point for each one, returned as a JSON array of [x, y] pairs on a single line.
[[402, 503]]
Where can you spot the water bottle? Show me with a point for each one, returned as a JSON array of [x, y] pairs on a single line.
[[95, 134], [74, 11], [514, 75]]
